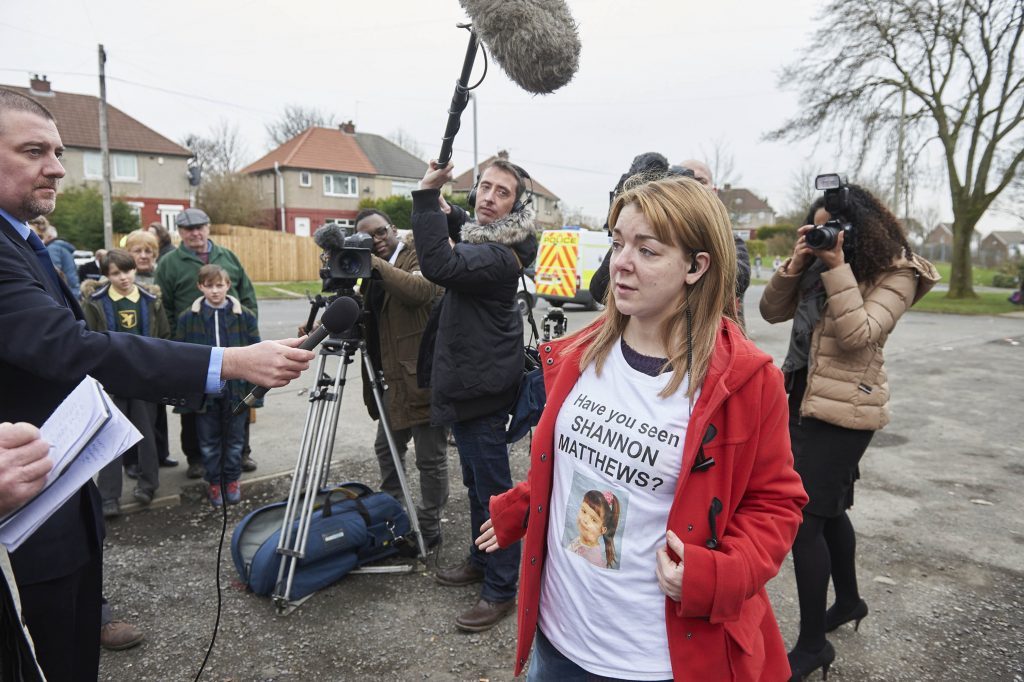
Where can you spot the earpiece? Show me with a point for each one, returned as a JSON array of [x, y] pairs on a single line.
[[694, 266]]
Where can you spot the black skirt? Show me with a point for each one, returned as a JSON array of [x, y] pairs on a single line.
[[826, 456]]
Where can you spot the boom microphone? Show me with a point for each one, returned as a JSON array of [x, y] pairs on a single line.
[[339, 317], [535, 42]]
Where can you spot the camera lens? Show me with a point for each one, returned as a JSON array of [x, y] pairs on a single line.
[[822, 237]]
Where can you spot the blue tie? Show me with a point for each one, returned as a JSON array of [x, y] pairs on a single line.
[[44, 258]]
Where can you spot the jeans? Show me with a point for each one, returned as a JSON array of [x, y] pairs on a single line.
[[548, 663], [431, 443], [221, 437], [485, 473]]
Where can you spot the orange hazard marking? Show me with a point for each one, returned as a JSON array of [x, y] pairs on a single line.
[[556, 271]]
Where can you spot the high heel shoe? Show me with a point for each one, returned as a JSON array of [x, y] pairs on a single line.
[[803, 663], [833, 619]]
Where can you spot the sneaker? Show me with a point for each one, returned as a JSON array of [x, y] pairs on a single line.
[[143, 497], [111, 508], [213, 494], [195, 470], [248, 463], [118, 635], [232, 493]]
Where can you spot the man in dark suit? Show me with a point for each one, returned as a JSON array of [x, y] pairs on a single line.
[[45, 351]]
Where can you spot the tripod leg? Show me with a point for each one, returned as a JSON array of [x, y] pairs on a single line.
[[399, 469], [307, 474]]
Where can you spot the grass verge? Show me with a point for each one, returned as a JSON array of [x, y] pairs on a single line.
[[269, 290], [987, 303]]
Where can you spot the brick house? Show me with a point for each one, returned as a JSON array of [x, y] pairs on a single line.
[[746, 211], [545, 202], [1000, 246], [321, 174], [147, 170]]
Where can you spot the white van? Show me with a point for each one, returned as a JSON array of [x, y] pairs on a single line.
[[567, 259]]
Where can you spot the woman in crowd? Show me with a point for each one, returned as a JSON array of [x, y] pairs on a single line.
[[144, 247], [665, 408], [844, 302]]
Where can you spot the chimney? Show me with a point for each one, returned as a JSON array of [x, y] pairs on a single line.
[[348, 127], [503, 155], [40, 86]]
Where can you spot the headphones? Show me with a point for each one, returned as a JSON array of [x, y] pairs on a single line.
[[521, 177], [694, 265]]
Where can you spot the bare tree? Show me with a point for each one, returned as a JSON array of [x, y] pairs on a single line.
[[407, 142], [231, 198], [801, 192], [721, 162], [294, 120], [219, 152], [958, 62]]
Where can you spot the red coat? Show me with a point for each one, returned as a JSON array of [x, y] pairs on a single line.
[[723, 628]]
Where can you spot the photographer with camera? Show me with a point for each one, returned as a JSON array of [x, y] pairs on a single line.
[[476, 357], [398, 300], [851, 277]]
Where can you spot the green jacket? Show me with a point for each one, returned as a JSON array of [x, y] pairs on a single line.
[[177, 273], [99, 314]]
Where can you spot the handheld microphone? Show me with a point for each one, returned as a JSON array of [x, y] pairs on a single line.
[[535, 42], [339, 317]]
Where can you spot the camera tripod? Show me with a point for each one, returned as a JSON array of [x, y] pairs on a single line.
[[313, 465]]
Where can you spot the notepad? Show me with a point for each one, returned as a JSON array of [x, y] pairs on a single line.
[[86, 432]]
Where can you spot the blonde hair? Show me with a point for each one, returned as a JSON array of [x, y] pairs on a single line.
[[142, 238], [684, 213]]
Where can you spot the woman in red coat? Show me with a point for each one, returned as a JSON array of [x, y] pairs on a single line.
[[661, 495]]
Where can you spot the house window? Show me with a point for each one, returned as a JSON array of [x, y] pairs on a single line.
[[340, 185], [93, 162], [341, 222], [167, 213], [136, 207], [403, 188], [124, 167], [305, 179]]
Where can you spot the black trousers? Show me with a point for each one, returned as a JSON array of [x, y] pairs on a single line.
[[63, 617]]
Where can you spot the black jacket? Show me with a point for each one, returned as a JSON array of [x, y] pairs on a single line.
[[475, 358]]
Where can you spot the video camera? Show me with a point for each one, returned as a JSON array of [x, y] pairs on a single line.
[[837, 202], [345, 258]]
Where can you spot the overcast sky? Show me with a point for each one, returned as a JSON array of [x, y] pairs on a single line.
[[672, 76]]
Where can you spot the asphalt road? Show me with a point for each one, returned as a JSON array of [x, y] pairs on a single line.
[[938, 513]]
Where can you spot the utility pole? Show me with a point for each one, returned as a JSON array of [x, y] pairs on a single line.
[[899, 154], [108, 215]]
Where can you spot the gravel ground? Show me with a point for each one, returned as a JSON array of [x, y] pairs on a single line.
[[933, 616], [940, 554]]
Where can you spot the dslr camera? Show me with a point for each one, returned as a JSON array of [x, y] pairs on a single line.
[[345, 258], [837, 198]]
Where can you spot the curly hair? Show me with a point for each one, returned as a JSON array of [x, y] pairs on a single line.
[[878, 236]]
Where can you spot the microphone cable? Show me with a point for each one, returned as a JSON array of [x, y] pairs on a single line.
[[220, 549]]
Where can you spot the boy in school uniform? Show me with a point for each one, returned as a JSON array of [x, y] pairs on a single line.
[[122, 305], [217, 319]]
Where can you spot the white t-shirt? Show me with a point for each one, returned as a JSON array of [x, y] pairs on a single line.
[[618, 445]]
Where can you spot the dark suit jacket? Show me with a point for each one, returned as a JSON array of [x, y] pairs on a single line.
[[45, 351]]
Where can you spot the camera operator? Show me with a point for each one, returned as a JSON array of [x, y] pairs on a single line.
[[476, 357], [399, 299], [844, 298]]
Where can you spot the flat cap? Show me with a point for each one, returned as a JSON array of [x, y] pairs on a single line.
[[192, 217]]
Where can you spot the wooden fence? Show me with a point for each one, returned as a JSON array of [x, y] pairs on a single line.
[[268, 256]]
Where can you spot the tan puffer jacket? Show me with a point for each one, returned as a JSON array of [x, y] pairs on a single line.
[[846, 380]]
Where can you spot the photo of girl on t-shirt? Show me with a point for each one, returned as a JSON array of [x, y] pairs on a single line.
[[590, 527]]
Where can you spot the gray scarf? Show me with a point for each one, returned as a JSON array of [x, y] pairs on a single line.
[[806, 318]]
